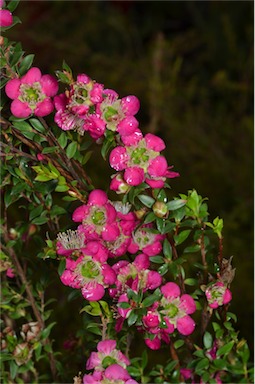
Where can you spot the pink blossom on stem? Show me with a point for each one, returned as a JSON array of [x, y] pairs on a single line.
[[218, 294], [177, 307], [31, 94], [6, 18]]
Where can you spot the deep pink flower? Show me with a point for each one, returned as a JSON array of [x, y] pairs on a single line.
[[107, 355], [98, 218], [88, 274], [146, 242], [177, 307], [31, 94], [118, 158], [10, 273], [218, 294], [6, 18]]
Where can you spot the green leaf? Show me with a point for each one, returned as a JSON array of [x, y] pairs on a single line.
[[46, 332], [225, 349], [202, 365], [207, 340], [132, 318], [35, 212], [182, 236], [54, 149], [157, 259], [146, 200], [71, 149], [61, 266], [190, 281], [149, 218], [167, 249], [13, 369], [63, 140], [175, 204], [36, 124], [178, 344], [192, 248], [163, 269], [26, 64]]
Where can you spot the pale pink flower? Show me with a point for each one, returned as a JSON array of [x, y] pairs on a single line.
[[218, 294], [31, 94]]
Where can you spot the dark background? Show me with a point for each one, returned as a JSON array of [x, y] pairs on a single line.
[[191, 65]]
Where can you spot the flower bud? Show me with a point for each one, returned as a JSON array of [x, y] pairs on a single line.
[[140, 213], [160, 209]]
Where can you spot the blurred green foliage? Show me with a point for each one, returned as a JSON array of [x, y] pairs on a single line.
[[191, 65]]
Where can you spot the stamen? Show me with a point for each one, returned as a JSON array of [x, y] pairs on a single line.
[[71, 239]]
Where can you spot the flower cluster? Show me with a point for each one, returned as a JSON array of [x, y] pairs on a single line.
[[170, 313], [109, 365], [140, 160], [88, 107]]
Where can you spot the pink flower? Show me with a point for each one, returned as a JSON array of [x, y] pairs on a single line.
[[107, 355], [31, 94], [118, 184], [136, 275], [177, 308], [6, 18], [10, 273], [98, 218], [89, 274], [147, 242], [140, 159], [113, 111], [218, 294]]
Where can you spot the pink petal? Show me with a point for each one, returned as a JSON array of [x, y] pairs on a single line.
[[158, 166], [154, 280], [153, 344], [6, 18], [130, 105], [227, 297], [20, 109], [49, 85], [153, 249], [93, 291], [132, 139], [118, 158], [109, 274], [80, 213], [171, 290], [12, 88], [82, 78], [33, 75], [106, 346], [97, 197], [134, 176], [116, 372], [127, 126], [60, 102], [96, 94], [155, 183], [151, 320], [188, 304], [44, 108], [186, 325], [110, 232], [142, 261], [93, 361], [154, 142]]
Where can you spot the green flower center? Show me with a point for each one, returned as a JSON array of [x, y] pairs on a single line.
[[172, 310], [107, 361], [111, 114], [139, 156], [31, 94], [90, 269], [98, 217]]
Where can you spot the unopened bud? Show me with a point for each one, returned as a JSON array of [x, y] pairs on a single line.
[[140, 213], [160, 209], [13, 234], [1, 40]]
